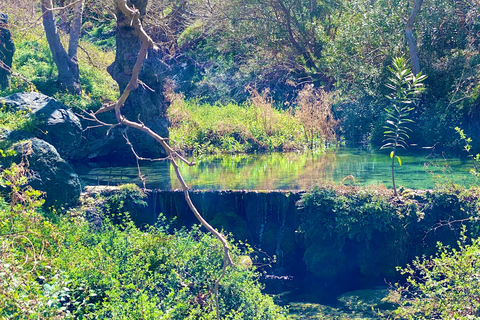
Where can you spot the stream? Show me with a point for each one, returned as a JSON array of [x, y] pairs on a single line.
[[291, 171]]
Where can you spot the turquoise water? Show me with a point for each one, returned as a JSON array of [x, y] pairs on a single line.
[[293, 171]]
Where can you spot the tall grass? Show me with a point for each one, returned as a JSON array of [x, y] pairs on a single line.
[[255, 126]]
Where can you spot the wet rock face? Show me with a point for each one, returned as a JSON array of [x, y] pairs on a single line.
[[7, 49], [56, 124], [51, 173]]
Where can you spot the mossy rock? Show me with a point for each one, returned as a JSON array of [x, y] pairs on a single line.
[[232, 223], [324, 261]]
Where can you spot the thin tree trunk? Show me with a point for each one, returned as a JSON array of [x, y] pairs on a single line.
[[68, 75], [412, 45], [75, 29], [393, 174]]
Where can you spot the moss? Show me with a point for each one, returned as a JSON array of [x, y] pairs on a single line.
[[232, 223], [324, 261], [374, 232]]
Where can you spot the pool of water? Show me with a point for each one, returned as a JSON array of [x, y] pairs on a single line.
[[292, 171], [366, 304]]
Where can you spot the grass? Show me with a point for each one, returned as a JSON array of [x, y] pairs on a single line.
[[253, 127], [33, 60]]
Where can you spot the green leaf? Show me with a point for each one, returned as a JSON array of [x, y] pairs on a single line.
[[399, 160]]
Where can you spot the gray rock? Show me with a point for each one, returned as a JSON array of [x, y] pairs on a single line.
[[56, 124], [7, 49], [15, 136], [51, 173]]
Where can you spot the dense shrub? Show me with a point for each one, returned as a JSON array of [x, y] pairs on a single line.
[[445, 286], [54, 267]]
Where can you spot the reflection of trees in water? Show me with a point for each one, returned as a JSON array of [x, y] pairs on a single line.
[[287, 171], [317, 169], [262, 172]]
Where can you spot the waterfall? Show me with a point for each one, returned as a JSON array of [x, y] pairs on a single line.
[[279, 252]]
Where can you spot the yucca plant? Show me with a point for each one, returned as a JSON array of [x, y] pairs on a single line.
[[405, 88]]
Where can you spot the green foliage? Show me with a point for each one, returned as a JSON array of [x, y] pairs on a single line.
[[467, 148], [99, 30], [33, 60], [15, 120], [405, 86], [336, 218], [158, 275], [27, 240], [69, 269], [445, 286], [251, 127], [382, 232], [121, 206]]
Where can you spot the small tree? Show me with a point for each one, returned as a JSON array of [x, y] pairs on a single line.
[[405, 88], [66, 62]]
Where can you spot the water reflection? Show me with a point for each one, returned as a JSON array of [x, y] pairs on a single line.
[[292, 171]]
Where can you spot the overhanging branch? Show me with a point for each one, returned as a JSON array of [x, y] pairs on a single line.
[[146, 43]]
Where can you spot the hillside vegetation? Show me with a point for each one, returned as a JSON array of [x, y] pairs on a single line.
[[280, 48]]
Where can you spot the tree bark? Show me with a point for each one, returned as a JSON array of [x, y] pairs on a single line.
[[146, 102], [412, 45], [67, 66], [75, 29], [7, 48]]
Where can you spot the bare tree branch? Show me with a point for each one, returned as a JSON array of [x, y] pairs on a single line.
[[4, 66], [172, 155]]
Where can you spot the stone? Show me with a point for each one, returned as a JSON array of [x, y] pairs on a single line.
[[51, 174], [7, 49], [56, 123]]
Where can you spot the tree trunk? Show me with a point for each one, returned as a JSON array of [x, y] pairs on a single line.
[[75, 29], [67, 66], [412, 45], [7, 48], [146, 102]]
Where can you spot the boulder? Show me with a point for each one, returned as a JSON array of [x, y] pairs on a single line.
[[56, 124], [7, 48], [51, 173]]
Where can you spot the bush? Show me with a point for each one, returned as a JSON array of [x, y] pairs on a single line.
[[70, 269], [442, 287]]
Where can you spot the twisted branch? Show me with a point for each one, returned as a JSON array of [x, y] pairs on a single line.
[[146, 43]]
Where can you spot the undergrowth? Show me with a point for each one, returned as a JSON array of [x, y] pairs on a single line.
[[253, 127], [62, 267], [33, 60]]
